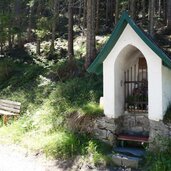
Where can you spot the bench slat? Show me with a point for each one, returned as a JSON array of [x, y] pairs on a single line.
[[133, 138], [9, 108], [3, 112], [10, 102], [10, 105]]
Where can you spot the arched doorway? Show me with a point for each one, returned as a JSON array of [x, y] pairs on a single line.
[[131, 81]]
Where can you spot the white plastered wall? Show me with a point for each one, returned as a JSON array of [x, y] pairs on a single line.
[[111, 79], [126, 59]]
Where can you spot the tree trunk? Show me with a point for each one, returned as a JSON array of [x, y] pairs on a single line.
[[38, 41], [159, 8], [18, 22], [112, 5], [54, 22], [116, 11], [151, 16], [143, 10], [132, 9], [9, 35], [80, 12], [97, 16], [107, 13], [1, 47], [38, 46], [30, 23], [85, 14], [70, 30], [169, 14], [164, 11], [90, 46]]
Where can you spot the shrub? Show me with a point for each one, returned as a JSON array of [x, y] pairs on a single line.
[[160, 158]]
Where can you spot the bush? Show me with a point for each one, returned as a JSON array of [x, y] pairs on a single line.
[[160, 159], [61, 145]]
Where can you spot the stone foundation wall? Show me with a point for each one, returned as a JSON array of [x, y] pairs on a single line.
[[159, 133], [134, 122], [106, 129]]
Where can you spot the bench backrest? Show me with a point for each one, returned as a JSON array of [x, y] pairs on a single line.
[[10, 106]]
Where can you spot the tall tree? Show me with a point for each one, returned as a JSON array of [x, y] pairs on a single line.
[[18, 21], [116, 11], [133, 8], [70, 30], [55, 13], [30, 20], [91, 45], [84, 13], [97, 16], [38, 41], [151, 16], [169, 14], [143, 10], [159, 8], [107, 12]]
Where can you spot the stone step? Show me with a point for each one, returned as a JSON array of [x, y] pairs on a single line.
[[125, 160], [135, 152]]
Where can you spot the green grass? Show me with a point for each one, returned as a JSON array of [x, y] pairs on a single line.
[[45, 104], [50, 89], [92, 109]]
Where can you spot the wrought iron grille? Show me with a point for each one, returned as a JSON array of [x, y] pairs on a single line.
[[136, 88]]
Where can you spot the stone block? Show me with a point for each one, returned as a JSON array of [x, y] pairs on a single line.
[[110, 137], [100, 123], [123, 160], [100, 133], [110, 120], [110, 127], [117, 159], [130, 162], [136, 129]]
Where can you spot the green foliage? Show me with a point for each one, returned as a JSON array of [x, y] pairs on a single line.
[[79, 91], [97, 157], [160, 158], [45, 106], [92, 109], [6, 69], [160, 161], [61, 145]]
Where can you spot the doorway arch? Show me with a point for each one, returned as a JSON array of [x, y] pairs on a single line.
[[131, 81]]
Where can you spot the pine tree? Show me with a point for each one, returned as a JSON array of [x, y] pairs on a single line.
[[70, 30], [90, 46]]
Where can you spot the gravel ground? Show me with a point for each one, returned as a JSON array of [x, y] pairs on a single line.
[[14, 158]]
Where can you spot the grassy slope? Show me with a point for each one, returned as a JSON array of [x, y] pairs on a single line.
[[49, 90]]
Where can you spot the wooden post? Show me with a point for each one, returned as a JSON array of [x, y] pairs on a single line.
[[5, 119]]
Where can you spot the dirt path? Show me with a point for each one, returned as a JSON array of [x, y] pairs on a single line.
[[15, 158]]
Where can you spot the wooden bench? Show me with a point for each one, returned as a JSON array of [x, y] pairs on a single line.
[[133, 138], [9, 108]]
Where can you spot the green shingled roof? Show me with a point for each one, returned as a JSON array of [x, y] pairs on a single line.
[[97, 65]]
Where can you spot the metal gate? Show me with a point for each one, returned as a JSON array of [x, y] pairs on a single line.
[[136, 88]]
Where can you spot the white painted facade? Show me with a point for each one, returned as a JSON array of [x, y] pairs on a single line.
[[125, 53]]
